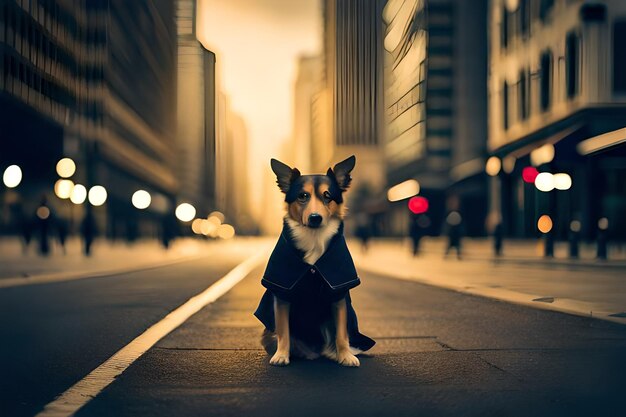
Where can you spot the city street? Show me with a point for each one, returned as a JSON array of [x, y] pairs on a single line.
[[438, 352], [463, 161]]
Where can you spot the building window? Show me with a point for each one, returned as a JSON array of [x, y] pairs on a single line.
[[619, 58], [505, 105], [504, 30], [571, 64], [545, 6], [524, 17], [545, 72], [522, 94]]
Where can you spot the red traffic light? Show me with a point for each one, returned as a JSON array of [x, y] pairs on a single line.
[[418, 205], [529, 174]]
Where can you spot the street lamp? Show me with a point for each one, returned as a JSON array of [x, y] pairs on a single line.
[[225, 231], [493, 166], [79, 194], [544, 182], [185, 212], [12, 176], [66, 168], [542, 155], [141, 199], [562, 181], [97, 195], [63, 188], [544, 224]]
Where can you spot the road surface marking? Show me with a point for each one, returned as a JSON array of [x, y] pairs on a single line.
[[86, 389]]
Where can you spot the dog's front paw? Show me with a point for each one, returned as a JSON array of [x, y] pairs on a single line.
[[347, 359], [280, 359]]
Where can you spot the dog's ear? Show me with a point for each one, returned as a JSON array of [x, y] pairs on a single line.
[[341, 172], [284, 174]]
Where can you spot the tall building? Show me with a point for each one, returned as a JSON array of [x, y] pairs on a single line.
[[306, 87], [195, 114], [73, 84], [557, 101], [232, 186], [348, 110], [435, 101]]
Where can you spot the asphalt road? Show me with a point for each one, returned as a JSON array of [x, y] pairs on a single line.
[[439, 353], [52, 335]]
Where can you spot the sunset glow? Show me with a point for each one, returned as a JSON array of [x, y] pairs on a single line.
[[268, 37]]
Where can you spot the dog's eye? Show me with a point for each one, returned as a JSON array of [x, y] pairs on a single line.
[[303, 197], [327, 196]]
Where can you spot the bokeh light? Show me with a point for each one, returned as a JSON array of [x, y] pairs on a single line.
[[542, 155], [141, 199], [454, 218], [529, 174], [196, 226], [493, 166], [43, 212], [544, 182], [218, 215], [214, 220], [97, 195], [185, 212], [418, 205], [511, 5], [63, 188], [79, 194], [66, 168], [562, 181], [207, 228], [603, 223], [405, 189], [575, 226], [225, 231], [12, 176], [508, 164], [544, 224]]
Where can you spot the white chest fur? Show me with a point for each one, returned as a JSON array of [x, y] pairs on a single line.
[[313, 242]]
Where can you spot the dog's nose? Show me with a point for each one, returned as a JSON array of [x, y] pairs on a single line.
[[315, 220]]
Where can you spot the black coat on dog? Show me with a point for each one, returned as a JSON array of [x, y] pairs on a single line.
[[311, 289], [286, 267]]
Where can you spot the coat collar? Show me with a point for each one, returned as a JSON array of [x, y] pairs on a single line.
[[286, 266]]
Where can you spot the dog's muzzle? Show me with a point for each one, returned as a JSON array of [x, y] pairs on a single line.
[[315, 220]]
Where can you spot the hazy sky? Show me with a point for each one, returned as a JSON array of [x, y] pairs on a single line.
[[257, 43]]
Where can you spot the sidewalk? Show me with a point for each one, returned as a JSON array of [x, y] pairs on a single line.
[[521, 275], [19, 268]]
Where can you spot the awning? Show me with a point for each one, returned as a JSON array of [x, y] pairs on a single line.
[[553, 139], [602, 142]]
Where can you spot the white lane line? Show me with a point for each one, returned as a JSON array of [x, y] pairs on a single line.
[[86, 389]]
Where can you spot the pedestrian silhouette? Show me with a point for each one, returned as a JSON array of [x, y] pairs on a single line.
[[62, 231], [169, 229], [132, 229], [416, 232], [363, 230], [498, 237], [602, 245], [574, 238], [23, 224], [88, 230], [454, 224], [43, 220]]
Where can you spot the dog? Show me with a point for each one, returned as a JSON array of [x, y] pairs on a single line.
[[306, 308]]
